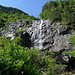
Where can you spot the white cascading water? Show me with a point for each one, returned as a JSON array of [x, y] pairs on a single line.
[[40, 35]]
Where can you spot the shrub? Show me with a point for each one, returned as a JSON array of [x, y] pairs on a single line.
[[60, 11], [18, 41], [17, 60], [72, 40], [19, 32]]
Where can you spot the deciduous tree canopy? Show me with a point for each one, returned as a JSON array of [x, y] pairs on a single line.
[[60, 11]]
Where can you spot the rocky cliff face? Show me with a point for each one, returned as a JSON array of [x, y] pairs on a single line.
[[41, 34]]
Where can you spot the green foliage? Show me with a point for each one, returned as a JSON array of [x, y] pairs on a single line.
[[72, 53], [17, 60], [18, 41], [72, 40], [60, 10], [27, 26], [28, 21], [20, 31], [68, 73], [11, 10], [12, 14], [2, 22], [45, 14]]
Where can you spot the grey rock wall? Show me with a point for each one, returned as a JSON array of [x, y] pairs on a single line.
[[42, 34]]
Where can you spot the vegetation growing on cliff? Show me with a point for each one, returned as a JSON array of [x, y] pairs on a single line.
[[72, 40], [12, 14], [60, 11], [17, 60]]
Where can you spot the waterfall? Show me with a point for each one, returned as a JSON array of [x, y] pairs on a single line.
[[40, 35], [37, 36]]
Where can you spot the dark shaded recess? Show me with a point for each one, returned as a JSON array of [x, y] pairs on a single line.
[[45, 43], [60, 56], [2, 22], [27, 22], [26, 40], [45, 31], [70, 64], [56, 20], [72, 25], [66, 32]]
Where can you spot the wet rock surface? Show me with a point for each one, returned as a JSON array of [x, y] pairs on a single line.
[[41, 34]]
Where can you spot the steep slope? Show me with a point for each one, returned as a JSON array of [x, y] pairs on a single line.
[[12, 14], [60, 11], [11, 10], [41, 34]]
